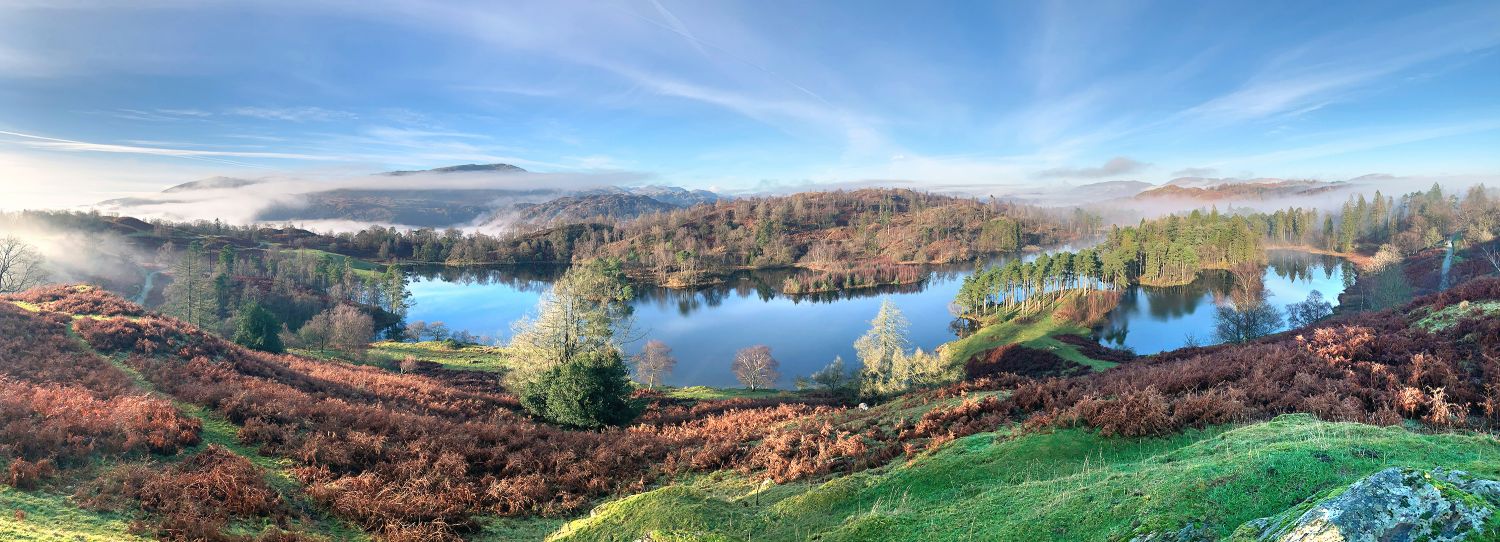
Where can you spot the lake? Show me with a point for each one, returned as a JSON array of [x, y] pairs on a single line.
[[1156, 319], [705, 327]]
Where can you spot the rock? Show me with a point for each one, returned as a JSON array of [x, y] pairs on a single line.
[[1393, 505]]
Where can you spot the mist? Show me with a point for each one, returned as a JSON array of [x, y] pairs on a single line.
[[71, 255], [286, 195]]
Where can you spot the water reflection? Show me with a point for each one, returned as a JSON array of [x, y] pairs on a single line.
[[1155, 319], [706, 326]]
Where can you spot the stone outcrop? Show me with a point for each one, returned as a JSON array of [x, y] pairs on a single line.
[[1393, 505]]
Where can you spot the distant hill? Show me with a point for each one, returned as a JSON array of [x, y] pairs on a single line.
[[211, 183], [1202, 189], [1082, 194], [465, 168], [613, 206]]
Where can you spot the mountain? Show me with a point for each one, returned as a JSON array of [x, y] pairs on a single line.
[[680, 197], [464, 168], [1082, 194], [211, 183]]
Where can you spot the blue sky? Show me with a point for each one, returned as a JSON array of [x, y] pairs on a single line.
[[101, 99]]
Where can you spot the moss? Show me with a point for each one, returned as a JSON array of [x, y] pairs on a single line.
[[1449, 316]]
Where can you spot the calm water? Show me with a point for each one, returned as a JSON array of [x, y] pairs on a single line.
[[1156, 319], [706, 327]]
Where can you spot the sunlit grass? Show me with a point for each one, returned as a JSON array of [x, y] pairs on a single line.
[[1070, 484], [27, 516]]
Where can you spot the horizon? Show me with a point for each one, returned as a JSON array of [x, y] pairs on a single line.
[[980, 100]]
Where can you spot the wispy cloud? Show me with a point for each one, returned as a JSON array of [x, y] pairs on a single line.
[[293, 114], [1329, 68], [1119, 165], [69, 145], [1337, 144]]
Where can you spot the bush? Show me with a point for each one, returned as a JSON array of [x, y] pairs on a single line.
[[592, 391], [258, 329]]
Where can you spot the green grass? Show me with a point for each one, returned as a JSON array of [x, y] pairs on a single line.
[[1037, 332], [468, 357], [50, 517], [360, 267], [1450, 315], [1064, 485]]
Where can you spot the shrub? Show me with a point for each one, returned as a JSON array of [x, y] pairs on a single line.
[[192, 500], [591, 391]]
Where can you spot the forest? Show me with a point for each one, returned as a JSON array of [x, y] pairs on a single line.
[[1173, 249]]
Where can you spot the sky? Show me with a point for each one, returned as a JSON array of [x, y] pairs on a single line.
[[108, 99]]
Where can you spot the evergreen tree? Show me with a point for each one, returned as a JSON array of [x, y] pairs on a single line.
[[258, 329], [190, 295], [590, 390]]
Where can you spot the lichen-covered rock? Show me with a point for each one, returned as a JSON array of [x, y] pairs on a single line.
[[1393, 505]]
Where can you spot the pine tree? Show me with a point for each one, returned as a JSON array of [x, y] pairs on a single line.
[[190, 296]]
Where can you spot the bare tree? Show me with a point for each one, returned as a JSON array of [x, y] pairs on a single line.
[[352, 328], [1244, 322], [317, 331], [1491, 254], [755, 368], [654, 362], [20, 266]]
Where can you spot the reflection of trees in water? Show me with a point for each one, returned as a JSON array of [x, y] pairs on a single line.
[[1166, 302], [529, 278], [764, 285], [963, 327], [1114, 333], [1300, 266]]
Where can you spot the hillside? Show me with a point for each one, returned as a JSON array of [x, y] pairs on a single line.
[[324, 447], [590, 208], [845, 239], [1214, 190]]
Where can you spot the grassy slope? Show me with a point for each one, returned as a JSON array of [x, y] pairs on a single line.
[[469, 357], [1064, 485], [1035, 333], [361, 267], [705, 393]]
